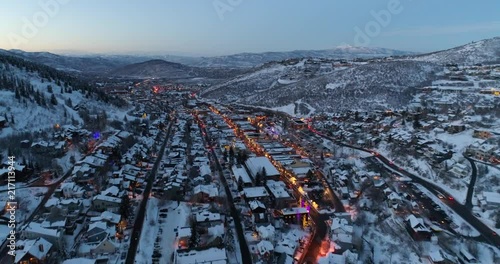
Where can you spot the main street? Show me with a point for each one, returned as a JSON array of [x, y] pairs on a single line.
[[136, 231]]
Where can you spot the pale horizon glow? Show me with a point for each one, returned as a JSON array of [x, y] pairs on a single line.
[[223, 27]]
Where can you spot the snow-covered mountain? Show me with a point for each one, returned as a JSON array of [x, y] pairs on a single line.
[[172, 70], [327, 85], [485, 51], [255, 59], [90, 64], [105, 63], [311, 86]]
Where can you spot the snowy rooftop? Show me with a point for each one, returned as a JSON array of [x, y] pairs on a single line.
[[492, 197], [204, 216], [241, 173], [37, 248], [255, 165], [256, 204], [211, 255], [38, 229], [210, 189], [277, 189], [107, 198], [255, 192], [295, 210]]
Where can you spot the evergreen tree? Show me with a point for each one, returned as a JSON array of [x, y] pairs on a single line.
[[193, 240], [18, 95], [125, 207], [49, 89], [309, 175], [12, 119], [263, 174], [416, 122], [258, 179], [69, 103], [53, 99]]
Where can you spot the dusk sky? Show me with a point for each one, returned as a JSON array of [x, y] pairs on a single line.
[[217, 27]]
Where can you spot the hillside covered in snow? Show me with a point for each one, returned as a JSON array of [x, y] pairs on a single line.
[[35, 97]]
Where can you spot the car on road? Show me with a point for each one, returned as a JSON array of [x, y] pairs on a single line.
[[440, 196], [476, 215]]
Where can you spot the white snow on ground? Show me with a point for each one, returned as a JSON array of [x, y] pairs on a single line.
[[429, 175], [27, 200], [286, 81], [4, 232], [177, 217], [459, 141], [462, 227], [333, 86], [486, 182], [289, 109], [148, 233], [65, 163], [32, 117]]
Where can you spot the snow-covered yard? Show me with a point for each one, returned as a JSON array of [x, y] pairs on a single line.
[[27, 201]]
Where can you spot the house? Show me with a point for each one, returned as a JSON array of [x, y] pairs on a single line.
[[259, 211], [417, 229], [280, 197], [482, 134], [489, 200], [295, 215], [265, 249], [183, 236], [466, 257], [206, 218], [241, 176], [205, 193], [341, 234], [211, 255], [298, 124], [106, 246], [460, 170], [482, 151], [109, 203], [256, 165], [96, 232], [35, 231], [35, 251], [256, 193]]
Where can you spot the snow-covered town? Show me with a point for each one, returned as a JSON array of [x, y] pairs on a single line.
[[233, 132]]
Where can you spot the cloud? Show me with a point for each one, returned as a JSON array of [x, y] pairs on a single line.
[[444, 30]]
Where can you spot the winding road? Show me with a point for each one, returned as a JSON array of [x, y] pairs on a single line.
[[487, 235], [472, 183]]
